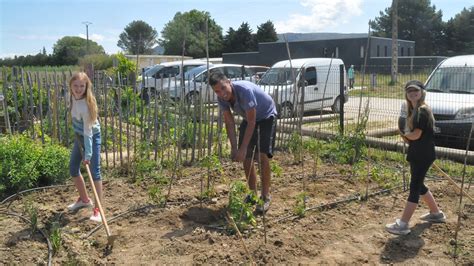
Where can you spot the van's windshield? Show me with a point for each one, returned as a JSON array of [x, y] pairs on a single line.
[[452, 80], [279, 76]]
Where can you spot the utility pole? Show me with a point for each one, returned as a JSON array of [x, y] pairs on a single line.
[[87, 23], [394, 41]]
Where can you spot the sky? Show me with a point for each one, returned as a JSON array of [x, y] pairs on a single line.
[[26, 26]]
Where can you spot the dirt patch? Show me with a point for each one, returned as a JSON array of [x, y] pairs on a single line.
[[190, 231]]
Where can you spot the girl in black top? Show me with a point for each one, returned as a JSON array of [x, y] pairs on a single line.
[[418, 133]]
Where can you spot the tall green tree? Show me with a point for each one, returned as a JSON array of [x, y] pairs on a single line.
[[138, 37], [266, 32], [189, 29], [418, 21], [69, 49], [460, 33], [240, 40]]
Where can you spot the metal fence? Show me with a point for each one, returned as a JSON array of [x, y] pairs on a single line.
[[171, 125]]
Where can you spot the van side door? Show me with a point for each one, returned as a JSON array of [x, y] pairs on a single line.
[[312, 92]]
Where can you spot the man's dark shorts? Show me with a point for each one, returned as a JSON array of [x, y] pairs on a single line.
[[267, 136]]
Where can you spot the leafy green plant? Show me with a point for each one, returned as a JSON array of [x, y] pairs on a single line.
[[155, 194], [26, 163], [314, 147], [296, 147], [240, 211], [300, 205], [214, 170], [55, 237], [276, 169], [31, 211]]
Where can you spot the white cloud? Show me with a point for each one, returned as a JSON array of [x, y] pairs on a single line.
[[323, 14], [94, 37]]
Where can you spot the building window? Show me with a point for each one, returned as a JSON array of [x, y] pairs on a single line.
[[378, 50], [337, 52], [361, 51], [409, 52], [386, 54], [402, 51]]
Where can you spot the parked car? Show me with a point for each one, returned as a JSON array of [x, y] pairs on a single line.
[[165, 73], [196, 84], [319, 77], [450, 94]]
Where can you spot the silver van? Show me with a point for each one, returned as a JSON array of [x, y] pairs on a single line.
[[450, 94], [319, 77], [160, 75]]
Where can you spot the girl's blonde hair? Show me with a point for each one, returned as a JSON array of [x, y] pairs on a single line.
[[414, 111], [90, 98]]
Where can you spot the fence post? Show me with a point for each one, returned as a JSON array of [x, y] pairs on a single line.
[[341, 98]]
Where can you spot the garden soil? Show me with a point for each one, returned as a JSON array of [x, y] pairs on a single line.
[[188, 230]]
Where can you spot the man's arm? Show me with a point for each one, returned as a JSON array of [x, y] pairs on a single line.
[[251, 115], [230, 128]]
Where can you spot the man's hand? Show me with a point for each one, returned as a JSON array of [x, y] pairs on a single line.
[[86, 162]]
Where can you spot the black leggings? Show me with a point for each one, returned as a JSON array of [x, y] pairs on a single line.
[[418, 172]]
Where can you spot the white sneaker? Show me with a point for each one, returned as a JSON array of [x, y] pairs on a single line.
[[96, 216], [434, 217], [397, 229], [79, 204]]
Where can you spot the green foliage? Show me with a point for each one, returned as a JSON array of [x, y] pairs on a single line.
[[26, 164], [155, 195], [31, 211], [300, 205], [385, 177], [125, 67], [413, 16], [69, 49], [99, 61], [240, 40], [214, 170], [138, 37], [190, 28], [314, 147], [240, 211], [295, 145], [266, 32], [460, 33], [276, 169], [55, 237]]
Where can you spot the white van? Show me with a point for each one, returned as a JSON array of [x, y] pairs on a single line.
[[450, 94], [319, 78], [165, 73]]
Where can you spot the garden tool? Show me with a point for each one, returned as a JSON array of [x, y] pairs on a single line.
[[110, 238], [452, 181]]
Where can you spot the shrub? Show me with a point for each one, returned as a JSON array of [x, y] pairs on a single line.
[[27, 164]]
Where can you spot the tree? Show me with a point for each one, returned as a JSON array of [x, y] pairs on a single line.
[[138, 38], [189, 29], [266, 32], [240, 40], [460, 33], [69, 49], [418, 21]]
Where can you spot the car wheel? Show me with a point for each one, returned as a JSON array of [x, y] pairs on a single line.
[[336, 106]]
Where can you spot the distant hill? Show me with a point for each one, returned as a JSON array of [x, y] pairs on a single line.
[[294, 37]]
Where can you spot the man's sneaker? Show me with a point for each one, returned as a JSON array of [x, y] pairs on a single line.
[[79, 204], [397, 229], [264, 204], [96, 215], [250, 199], [434, 217]]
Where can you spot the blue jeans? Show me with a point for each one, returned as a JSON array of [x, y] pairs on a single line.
[[76, 157]]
